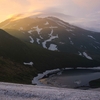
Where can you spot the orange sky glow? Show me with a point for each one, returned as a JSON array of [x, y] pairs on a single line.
[[9, 8]]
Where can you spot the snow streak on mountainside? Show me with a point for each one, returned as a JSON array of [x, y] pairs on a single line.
[[54, 34]]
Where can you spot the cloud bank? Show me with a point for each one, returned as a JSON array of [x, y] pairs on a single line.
[[83, 9]]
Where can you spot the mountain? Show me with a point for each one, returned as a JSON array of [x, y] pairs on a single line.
[[31, 45], [20, 61], [54, 34], [19, 51]]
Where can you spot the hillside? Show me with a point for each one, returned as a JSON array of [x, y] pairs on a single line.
[[13, 48], [16, 56], [14, 72], [54, 34]]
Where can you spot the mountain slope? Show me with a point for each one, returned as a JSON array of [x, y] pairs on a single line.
[[13, 48], [11, 71], [54, 34], [14, 53]]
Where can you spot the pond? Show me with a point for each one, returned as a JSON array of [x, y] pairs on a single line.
[[71, 78]]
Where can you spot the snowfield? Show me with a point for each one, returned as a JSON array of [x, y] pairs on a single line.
[[53, 47], [32, 40], [30, 63], [86, 55], [9, 91]]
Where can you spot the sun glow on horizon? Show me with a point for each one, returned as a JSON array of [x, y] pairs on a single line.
[[79, 8], [14, 17]]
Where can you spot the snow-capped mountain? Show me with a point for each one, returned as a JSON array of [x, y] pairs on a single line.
[[54, 34]]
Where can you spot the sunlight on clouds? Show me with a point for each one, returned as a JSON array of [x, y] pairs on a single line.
[[9, 8], [69, 7], [39, 5], [20, 16], [11, 15]]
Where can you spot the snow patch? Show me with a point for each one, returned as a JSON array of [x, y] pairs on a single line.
[[80, 53], [61, 24], [77, 82], [40, 36], [38, 29], [71, 41], [58, 22], [61, 42], [38, 40], [30, 63], [91, 37], [32, 40], [94, 46], [47, 23], [51, 33], [51, 38], [95, 68], [53, 47], [53, 27], [30, 31], [44, 44], [10, 91], [39, 76], [86, 55]]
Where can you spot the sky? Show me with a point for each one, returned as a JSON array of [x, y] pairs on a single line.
[[85, 10]]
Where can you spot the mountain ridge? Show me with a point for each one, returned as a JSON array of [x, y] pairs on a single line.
[[54, 34]]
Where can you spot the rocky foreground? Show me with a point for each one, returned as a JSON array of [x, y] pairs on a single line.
[[9, 91]]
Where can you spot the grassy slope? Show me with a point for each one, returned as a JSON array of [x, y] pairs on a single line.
[[15, 72], [13, 48]]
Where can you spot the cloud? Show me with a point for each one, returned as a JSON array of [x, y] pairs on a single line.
[[43, 4], [88, 4], [69, 7], [9, 8]]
